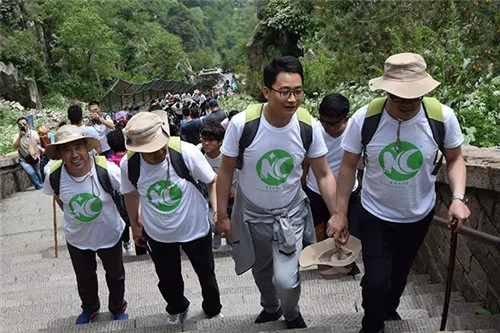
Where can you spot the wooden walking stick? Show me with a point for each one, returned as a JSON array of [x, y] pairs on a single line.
[[55, 225], [449, 278]]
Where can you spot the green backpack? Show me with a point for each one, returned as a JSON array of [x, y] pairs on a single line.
[[433, 112], [100, 166], [252, 122], [174, 151]]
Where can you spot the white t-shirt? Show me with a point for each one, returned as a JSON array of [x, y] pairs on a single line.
[[215, 163], [91, 220], [399, 187], [178, 213], [271, 172], [102, 131], [334, 157], [27, 144]]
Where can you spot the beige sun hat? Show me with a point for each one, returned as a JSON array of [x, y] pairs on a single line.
[[146, 132], [405, 76], [328, 253], [67, 134]]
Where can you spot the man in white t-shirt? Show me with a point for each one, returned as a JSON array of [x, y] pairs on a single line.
[[173, 212], [398, 195], [103, 124], [271, 215], [92, 224]]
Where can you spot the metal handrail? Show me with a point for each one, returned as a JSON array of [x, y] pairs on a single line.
[[469, 232]]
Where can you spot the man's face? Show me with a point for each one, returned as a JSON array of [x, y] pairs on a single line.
[[156, 157], [285, 95], [333, 126], [94, 110], [403, 104], [210, 145], [23, 125], [75, 156]]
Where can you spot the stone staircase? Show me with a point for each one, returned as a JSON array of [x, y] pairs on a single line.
[[38, 292]]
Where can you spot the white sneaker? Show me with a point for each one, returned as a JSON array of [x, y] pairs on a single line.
[[178, 318], [127, 246]]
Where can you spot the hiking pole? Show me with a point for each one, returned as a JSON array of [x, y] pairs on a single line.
[[449, 278], [55, 225]]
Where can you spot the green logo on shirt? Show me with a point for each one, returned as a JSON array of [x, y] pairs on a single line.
[[403, 164], [164, 195], [274, 167], [85, 207]]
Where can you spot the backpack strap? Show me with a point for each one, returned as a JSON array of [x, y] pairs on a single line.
[[305, 123], [372, 119], [434, 113], [174, 150], [55, 176], [252, 122], [102, 173], [134, 167]]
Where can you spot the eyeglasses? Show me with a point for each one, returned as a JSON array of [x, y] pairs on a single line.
[[286, 94], [331, 123], [396, 99]]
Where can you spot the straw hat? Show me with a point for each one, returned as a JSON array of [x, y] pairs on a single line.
[[405, 76], [67, 134], [146, 132], [327, 253]]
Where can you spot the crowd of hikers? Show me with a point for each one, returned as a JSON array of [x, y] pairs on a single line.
[[280, 186]]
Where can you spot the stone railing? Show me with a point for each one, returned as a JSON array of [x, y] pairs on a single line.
[[477, 265], [12, 177]]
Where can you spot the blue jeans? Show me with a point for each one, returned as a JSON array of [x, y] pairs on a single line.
[[33, 172]]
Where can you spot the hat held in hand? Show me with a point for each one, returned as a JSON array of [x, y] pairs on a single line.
[[334, 259]]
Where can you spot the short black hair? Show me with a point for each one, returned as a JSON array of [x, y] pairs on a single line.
[[94, 103], [75, 114], [186, 111], [334, 106], [21, 118], [212, 130], [195, 112], [287, 64], [116, 141], [155, 107], [232, 113]]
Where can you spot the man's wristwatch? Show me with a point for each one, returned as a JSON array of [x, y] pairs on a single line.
[[461, 197]]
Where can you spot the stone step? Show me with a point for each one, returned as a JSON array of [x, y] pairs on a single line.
[[455, 322]]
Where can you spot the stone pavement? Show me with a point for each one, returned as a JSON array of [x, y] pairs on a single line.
[[38, 292]]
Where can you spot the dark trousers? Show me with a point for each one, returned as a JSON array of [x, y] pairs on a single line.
[[85, 266], [167, 260], [321, 215], [388, 252]]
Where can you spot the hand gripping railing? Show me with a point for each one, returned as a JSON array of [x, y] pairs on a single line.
[[466, 231]]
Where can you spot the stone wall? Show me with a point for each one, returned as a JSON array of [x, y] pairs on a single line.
[[477, 265], [12, 177]]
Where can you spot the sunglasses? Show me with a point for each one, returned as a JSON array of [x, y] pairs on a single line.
[[22, 124]]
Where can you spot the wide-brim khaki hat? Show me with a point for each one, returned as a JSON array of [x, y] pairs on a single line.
[[405, 76], [146, 132], [66, 134], [327, 253]]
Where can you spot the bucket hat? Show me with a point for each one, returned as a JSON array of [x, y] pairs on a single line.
[[146, 132], [67, 134], [329, 253], [405, 76]]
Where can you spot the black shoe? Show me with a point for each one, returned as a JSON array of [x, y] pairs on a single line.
[[365, 331], [265, 317], [392, 316], [296, 323]]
